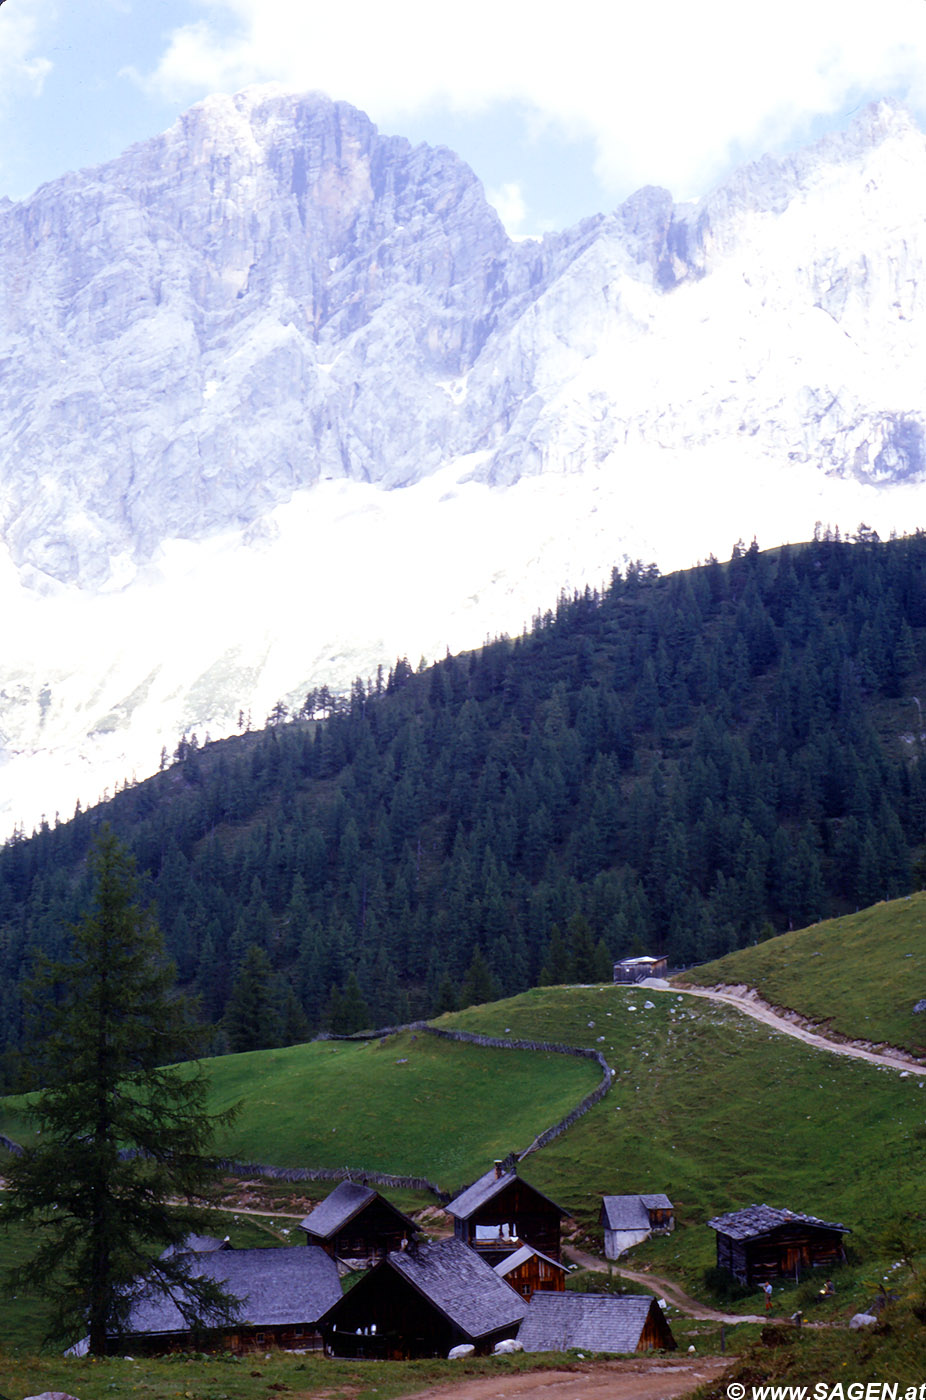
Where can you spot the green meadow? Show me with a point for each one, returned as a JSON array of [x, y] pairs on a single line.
[[859, 976], [720, 1112], [408, 1104]]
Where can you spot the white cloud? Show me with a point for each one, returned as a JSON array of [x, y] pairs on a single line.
[[22, 71], [668, 93], [508, 202]]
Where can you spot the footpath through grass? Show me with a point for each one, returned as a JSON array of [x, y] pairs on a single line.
[[860, 975]]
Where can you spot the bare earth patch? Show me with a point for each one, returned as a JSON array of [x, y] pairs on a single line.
[[636, 1379]]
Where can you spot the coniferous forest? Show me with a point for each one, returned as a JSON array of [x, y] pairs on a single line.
[[680, 764]]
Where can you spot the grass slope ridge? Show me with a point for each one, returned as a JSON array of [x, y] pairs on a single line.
[[857, 977]]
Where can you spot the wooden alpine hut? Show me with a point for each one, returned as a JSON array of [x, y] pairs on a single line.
[[529, 1272], [280, 1293], [357, 1226], [608, 1322], [423, 1301], [761, 1243], [501, 1211]]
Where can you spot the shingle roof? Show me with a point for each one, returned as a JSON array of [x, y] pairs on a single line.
[[624, 1213], [461, 1286], [760, 1220], [196, 1244], [488, 1186], [277, 1287], [631, 1212], [521, 1256], [338, 1207], [592, 1321]]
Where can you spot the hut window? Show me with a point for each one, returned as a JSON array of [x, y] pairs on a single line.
[[504, 1231]]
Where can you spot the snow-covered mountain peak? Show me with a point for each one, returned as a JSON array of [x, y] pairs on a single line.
[[221, 353]]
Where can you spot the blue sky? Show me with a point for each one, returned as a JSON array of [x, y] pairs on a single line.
[[561, 110]]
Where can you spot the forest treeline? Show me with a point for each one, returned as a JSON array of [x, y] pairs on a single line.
[[679, 765]]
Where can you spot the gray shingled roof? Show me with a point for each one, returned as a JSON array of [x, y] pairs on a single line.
[[196, 1244], [754, 1221], [461, 1285], [631, 1212], [483, 1190], [624, 1213], [592, 1321], [277, 1287], [338, 1207], [521, 1256]]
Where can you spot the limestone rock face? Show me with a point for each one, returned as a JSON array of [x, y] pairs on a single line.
[[272, 294], [223, 354]]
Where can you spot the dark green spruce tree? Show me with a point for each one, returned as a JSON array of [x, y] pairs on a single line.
[[122, 1158]]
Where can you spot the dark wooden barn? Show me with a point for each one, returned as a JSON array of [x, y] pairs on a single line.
[[281, 1295], [422, 1301], [357, 1226], [501, 1211], [595, 1322], [528, 1272], [762, 1243]]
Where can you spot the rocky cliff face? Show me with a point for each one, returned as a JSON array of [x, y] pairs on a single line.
[[221, 354], [272, 294]]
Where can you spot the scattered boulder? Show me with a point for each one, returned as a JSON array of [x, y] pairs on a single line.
[[52, 1395], [862, 1320]]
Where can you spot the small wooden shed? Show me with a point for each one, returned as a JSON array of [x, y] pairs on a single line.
[[357, 1226], [501, 1211], [761, 1243], [422, 1301], [626, 1220], [636, 969], [529, 1272], [609, 1322]]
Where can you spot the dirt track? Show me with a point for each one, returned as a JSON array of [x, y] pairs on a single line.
[[747, 1000], [654, 1283], [639, 1378]]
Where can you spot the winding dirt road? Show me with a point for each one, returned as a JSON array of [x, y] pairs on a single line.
[[747, 1000]]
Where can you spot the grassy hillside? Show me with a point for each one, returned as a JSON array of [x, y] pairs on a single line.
[[406, 1104], [719, 1112], [706, 1105], [860, 975]]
